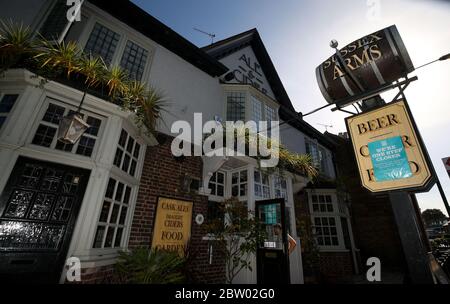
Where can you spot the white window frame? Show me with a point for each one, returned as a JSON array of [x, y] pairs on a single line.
[[68, 107], [335, 214], [218, 198], [126, 33], [268, 186], [8, 115], [230, 179]]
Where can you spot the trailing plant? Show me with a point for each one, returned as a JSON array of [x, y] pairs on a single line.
[[16, 44], [237, 236], [150, 266], [54, 61]]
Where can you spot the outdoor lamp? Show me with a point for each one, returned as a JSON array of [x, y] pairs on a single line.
[[72, 126]]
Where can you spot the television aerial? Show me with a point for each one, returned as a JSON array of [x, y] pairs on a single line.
[[326, 126], [212, 36]]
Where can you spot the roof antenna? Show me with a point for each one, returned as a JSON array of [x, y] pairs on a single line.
[[326, 126], [206, 33]]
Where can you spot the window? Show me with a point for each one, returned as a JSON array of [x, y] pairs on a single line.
[[127, 153], [262, 185], [313, 149], [280, 188], [322, 203], [217, 184], [6, 104], [257, 114], [102, 42], [111, 223], [270, 114], [325, 231], [239, 183], [56, 21], [46, 132], [133, 60], [236, 106]]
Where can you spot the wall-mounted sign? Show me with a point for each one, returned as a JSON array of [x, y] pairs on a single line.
[[375, 60], [387, 149], [447, 165], [172, 229]]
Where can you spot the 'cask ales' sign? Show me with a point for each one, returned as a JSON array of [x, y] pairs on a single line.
[[387, 149], [172, 228]]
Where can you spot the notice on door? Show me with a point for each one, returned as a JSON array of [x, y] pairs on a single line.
[[172, 229], [389, 159]]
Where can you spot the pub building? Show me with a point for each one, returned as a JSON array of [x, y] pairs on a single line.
[[99, 196]]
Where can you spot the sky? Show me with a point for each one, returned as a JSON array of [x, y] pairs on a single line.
[[297, 33]]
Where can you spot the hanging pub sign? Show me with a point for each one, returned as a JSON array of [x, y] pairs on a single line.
[[172, 229], [375, 60], [387, 149]]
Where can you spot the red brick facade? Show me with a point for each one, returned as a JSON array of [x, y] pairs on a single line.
[[162, 176]]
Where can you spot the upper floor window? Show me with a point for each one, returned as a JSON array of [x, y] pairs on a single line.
[[56, 21], [133, 60], [46, 131], [236, 106], [318, 154], [127, 153], [102, 42], [6, 104], [257, 113], [217, 184], [326, 231]]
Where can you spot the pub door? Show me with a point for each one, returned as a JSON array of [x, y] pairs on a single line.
[[38, 211], [272, 254]]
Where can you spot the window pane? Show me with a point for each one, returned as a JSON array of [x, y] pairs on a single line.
[[133, 60], [118, 237], [105, 212], [44, 136], [118, 157], [235, 191], [7, 103], [63, 147], [130, 144], [94, 124], [235, 106], [126, 163], [114, 214], [53, 114], [220, 190], [56, 21], [86, 146], [243, 176], [137, 149], [99, 237], [119, 192], [123, 138], [220, 177], [109, 237], [126, 198], [102, 42], [133, 167], [213, 188], [110, 188], [123, 215]]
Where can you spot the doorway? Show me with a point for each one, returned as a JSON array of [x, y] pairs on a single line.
[[38, 210], [272, 254]]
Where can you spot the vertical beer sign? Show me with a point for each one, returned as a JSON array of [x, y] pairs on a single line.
[[172, 229], [388, 150]]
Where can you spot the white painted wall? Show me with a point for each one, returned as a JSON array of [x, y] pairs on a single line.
[[237, 64]]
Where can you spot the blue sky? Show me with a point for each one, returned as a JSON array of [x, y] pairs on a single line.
[[297, 34]]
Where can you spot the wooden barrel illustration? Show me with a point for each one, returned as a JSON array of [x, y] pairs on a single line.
[[375, 60]]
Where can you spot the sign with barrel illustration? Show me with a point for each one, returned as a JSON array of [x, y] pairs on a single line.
[[374, 60]]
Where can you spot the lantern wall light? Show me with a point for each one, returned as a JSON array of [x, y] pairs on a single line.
[[72, 126]]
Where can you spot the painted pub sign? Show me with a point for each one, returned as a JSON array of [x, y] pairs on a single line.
[[387, 149], [172, 229]]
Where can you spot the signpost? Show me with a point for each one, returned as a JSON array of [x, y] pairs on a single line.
[[172, 229], [388, 151]]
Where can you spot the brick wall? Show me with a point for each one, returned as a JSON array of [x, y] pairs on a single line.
[[334, 266], [161, 176]]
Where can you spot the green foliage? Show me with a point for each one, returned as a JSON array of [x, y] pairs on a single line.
[[147, 266], [16, 43], [433, 217], [52, 60], [310, 251], [237, 237]]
